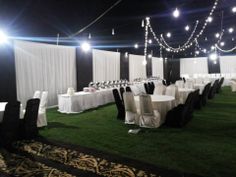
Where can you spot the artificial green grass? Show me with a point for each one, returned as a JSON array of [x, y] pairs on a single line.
[[206, 146]]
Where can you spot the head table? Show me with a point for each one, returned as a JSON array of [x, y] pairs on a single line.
[[81, 101]]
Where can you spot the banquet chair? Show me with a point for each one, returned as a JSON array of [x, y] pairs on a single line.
[[213, 88], [164, 82], [197, 100], [146, 86], [42, 118], [160, 89], [184, 79], [149, 118], [171, 91], [152, 87], [182, 114], [37, 94], [128, 89], [204, 96], [9, 130], [179, 83], [131, 114], [29, 127], [218, 89], [119, 105], [122, 90]]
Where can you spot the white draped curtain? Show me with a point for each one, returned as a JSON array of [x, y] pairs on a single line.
[[44, 67], [228, 64], [191, 66], [157, 67], [106, 65], [136, 67]]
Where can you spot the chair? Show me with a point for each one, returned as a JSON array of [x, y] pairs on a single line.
[[131, 115], [128, 89], [37, 94], [152, 86], [179, 83], [164, 82], [122, 90], [197, 100], [184, 79], [149, 118], [171, 90], [212, 91], [146, 86], [182, 114], [119, 105], [204, 96], [30, 129], [10, 124], [42, 118], [218, 89], [160, 89]]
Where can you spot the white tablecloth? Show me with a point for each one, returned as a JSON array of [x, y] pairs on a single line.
[[81, 101], [183, 94], [200, 87], [160, 103]]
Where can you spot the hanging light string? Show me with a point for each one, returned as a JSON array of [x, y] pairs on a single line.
[[204, 50], [185, 45], [189, 42], [146, 38], [225, 51]]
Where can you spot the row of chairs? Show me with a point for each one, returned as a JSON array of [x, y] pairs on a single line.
[[13, 128], [183, 113]]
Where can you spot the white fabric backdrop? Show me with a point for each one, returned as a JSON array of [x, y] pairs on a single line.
[[136, 67], [106, 65], [193, 66], [228, 64], [44, 67], [157, 67]]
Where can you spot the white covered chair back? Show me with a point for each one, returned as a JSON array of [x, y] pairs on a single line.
[[37, 94], [43, 100], [179, 83], [189, 84], [131, 115], [170, 90], [148, 117], [42, 118], [160, 89]]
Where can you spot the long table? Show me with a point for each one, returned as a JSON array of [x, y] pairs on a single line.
[[81, 101]]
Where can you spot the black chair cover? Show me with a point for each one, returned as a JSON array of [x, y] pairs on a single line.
[[119, 105], [122, 90]]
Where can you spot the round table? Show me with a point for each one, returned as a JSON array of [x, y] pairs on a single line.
[[183, 94], [159, 103]]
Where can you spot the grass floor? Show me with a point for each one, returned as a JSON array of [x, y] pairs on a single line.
[[206, 146]]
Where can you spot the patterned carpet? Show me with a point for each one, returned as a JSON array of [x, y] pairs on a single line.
[[53, 159]]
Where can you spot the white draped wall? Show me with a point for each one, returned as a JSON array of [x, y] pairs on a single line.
[[191, 66], [44, 67], [136, 67], [106, 65], [157, 67], [228, 64]]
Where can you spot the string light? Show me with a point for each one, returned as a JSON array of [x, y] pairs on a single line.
[[113, 31], [209, 19], [231, 30], [89, 36], [149, 55], [176, 13], [142, 23], [187, 28], [222, 44], [168, 34], [217, 35], [234, 9], [150, 41]]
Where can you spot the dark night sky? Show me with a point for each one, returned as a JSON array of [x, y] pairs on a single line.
[[46, 18]]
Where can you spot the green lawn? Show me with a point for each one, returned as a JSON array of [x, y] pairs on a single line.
[[206, 146]]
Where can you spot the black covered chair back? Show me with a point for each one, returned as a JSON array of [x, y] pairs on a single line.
[[10, 124], [30, 119], [151, 87], [182, 114], [205, 94], [197, 100], [128, 89], [119, 105], [218, 89], [184, 79], [212, 91], [146, 86], [122, 90]]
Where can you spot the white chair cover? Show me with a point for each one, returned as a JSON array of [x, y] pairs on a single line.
[[148, 117], [233, 85], [37, 94], [172, 90], [42, 118], [160, 89], [131, 115], [179, 83]]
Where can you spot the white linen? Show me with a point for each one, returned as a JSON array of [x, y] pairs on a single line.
[[136, 67], [191, 66], [179, 83], [160, 89], [42, 118], [157, 67], [200, 87], [159, 103], [138, 89], [228, 64], [37, 94], [106, 65], [131, 113], [44, 67], [81, 101], [183, 93]]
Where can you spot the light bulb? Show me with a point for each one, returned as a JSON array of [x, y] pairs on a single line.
[[136, 46], [187, 28], [3, 37], [231, 30], [85, 46], [209, 19], [168, 34], [176, 13], [217, 35]]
